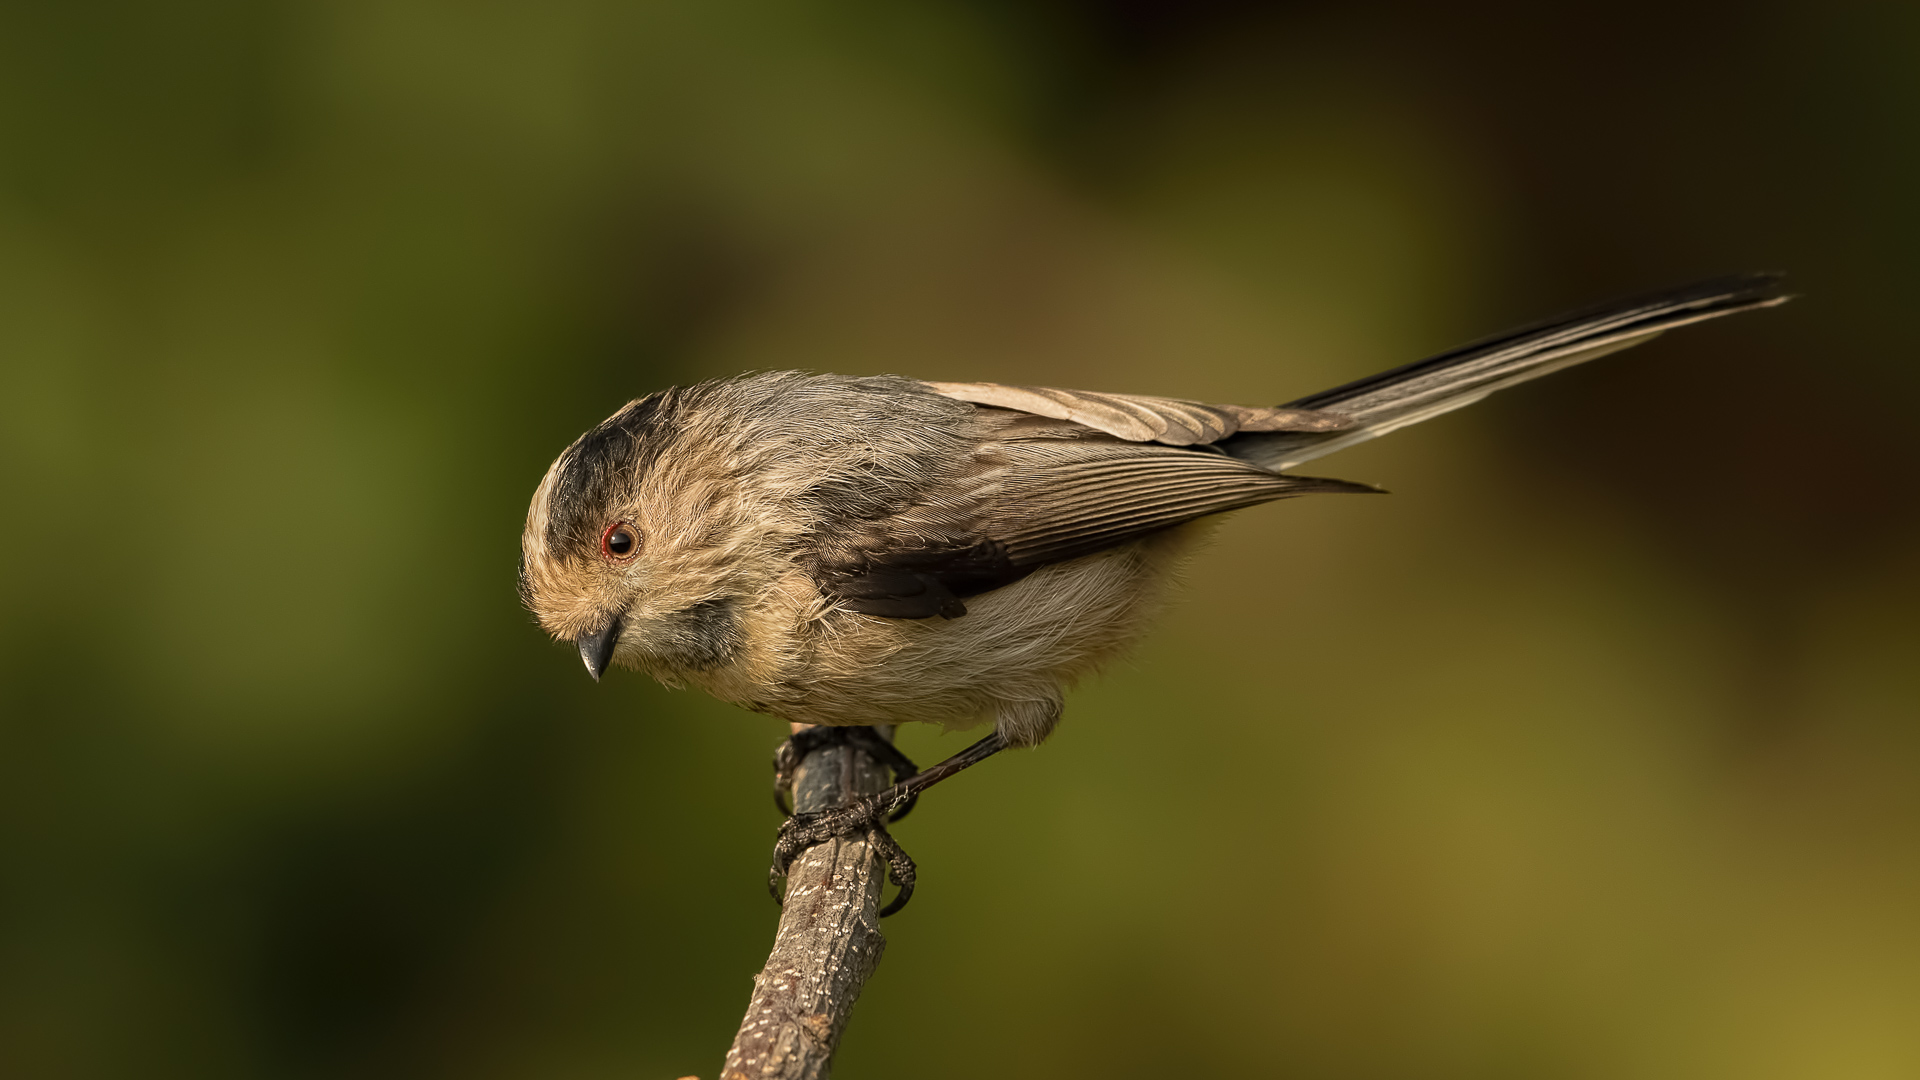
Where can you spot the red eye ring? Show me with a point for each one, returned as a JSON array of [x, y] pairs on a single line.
[[620, 543]]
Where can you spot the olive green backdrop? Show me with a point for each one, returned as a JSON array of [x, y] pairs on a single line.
[[1590, 753]]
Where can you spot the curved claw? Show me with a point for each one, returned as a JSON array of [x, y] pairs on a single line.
[[793, 752], [899, 900], [787, 760], [900, 867], [866, 817], [802, 831]]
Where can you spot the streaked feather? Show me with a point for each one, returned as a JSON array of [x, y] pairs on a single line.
[[1138, 418]]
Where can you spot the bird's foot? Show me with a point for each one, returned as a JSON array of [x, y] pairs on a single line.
[[866, 818], [787, 759]]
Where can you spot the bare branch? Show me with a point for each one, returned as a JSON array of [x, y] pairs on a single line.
[[829, 941]]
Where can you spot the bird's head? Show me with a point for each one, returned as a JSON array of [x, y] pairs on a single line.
[[633, 544]]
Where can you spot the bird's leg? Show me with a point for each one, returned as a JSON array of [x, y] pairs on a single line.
[[883, 751], [787, 759], [868, 817]]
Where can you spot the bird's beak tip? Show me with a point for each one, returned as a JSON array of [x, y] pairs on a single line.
[[596, 650]]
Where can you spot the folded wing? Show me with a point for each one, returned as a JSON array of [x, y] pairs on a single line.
[[1055, 499], [1076, 472]]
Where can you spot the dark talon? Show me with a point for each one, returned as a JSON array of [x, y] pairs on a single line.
[[797, 834], [899, 867], [868, 817], [787, 759], [802, 831]]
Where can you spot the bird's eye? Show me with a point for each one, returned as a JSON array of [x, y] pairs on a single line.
[[620, 542]]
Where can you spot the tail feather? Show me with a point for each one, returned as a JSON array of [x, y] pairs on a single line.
[[1462, 376]]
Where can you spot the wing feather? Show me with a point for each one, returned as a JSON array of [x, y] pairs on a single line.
[[1114, 467], [1057, 499], [1138, 418]]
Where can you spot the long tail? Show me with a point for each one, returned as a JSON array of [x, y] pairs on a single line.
[[1462, 376]]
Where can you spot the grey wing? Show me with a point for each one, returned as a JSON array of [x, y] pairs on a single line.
[[1139, 418], [1064, 500], [1067, 490], [1054, 500]]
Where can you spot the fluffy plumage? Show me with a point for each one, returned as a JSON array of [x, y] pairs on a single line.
[[852, 551]]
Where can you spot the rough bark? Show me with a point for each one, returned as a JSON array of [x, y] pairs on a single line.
[[829, 940]]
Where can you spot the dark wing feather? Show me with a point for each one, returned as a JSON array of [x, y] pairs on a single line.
[[1056, 500], [1065, 500]]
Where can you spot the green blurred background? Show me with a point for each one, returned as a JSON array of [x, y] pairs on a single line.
[[1592, 752]]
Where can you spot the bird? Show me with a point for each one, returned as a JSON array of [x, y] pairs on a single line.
[[856, 551]]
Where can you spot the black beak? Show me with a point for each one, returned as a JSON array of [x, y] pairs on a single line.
[[596, 650]]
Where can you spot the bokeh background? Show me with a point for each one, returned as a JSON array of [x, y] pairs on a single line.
[[1591, 753]]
